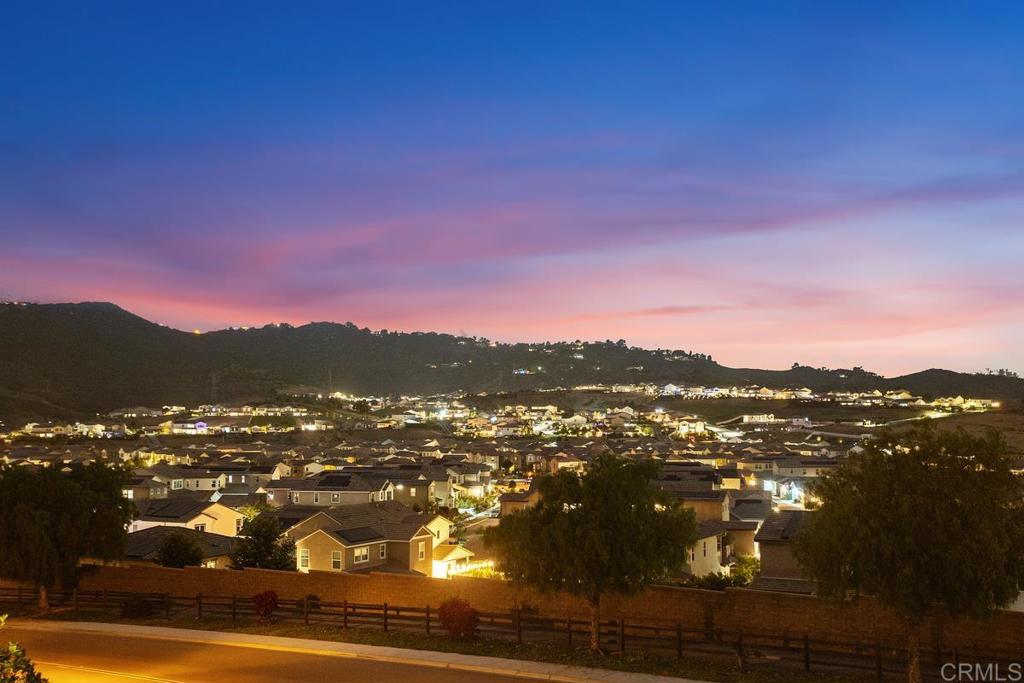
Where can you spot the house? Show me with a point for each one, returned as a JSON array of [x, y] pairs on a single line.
[[382, 536], [188, 513], [144, 488], [514, 501], [708, 555], [780, 571], [328, 489], [141, 547]]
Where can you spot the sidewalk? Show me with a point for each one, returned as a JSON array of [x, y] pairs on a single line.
[[393, 655]]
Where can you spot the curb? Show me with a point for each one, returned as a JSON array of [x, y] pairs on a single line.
[[425, 658]]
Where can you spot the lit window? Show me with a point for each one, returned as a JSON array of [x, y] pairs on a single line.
[[304, 558], [362, 554], [238, 524], [335, 497], [335, 559], [412, 491]]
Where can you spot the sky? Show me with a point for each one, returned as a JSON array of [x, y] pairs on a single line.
[[831, 183]]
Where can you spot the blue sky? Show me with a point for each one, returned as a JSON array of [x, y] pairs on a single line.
[[828, 183]]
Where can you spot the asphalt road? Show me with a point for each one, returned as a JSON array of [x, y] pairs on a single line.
[[96, 658]]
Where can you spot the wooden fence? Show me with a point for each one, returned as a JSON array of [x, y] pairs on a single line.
[[745, 648]]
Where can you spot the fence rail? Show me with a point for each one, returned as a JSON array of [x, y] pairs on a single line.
[[663, 639]]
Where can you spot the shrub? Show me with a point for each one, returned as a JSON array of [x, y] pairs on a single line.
[[136, 606], [745, 570], [458, 618], [15, 665], [265, 603], [179, 549]]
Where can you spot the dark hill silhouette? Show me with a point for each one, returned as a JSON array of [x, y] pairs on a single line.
[[79, 359]]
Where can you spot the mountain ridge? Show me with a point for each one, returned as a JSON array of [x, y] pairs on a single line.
[[69, 359]]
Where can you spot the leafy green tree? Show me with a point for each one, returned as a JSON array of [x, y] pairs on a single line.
[[179, 549], [253, 510], [263, 546], [929, 522], [51, 519], [15, 666], [608, 531]]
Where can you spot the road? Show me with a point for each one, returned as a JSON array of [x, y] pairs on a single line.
[[103, 658]]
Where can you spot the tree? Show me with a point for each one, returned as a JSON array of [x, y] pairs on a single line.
[[179, 549], [608, 531], [262, 546], [929, 522], [50, 519], [15, 666], [253, 510]]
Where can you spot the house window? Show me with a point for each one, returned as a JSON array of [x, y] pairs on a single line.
[[304, 558], [693, 556], [422, 554], [383, 551], [335, 497], [335, 559], [197, 483], [199, 527], [177, 484], [238, 524], [705, 546], [412, 491], [362, 554], [316, 497]]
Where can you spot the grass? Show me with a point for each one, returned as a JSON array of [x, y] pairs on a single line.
[[1010, 423], [707, 668]]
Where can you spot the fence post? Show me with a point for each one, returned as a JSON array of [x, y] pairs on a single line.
[[807, 653], [519, 626], [679, 641], [344, 614], [622, 635], [385, 616], [305, 610], [739, 650], [427, 619], [878, 661], [199, 605], [234, 608]]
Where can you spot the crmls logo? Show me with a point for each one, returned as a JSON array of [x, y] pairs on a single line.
[[978, 673]]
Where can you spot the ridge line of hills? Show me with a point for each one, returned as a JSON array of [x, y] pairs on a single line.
[[76, 359]]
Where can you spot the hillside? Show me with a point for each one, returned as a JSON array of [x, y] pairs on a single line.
[[78, 359]]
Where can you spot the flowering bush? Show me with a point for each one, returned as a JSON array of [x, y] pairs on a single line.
[[265, 603], [15, 667], [459, 618]]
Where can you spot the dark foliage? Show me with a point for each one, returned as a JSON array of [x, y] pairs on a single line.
[[458, 618], [179, 550], [50, 519], [263, 547], [265, 604]]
